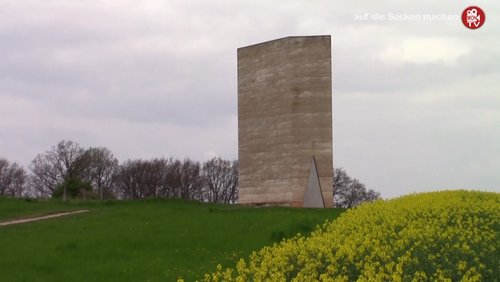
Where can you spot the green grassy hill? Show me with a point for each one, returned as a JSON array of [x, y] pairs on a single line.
[[150, 240]]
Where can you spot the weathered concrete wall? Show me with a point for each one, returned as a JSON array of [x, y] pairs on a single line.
[[284, 119]]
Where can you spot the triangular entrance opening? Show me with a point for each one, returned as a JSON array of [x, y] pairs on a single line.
[[313, 196]]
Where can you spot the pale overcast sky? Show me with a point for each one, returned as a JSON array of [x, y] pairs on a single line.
[[416, 101]]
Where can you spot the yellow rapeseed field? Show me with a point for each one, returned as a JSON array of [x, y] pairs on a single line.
[[438, 236]]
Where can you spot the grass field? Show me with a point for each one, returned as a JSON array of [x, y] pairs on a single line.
[[149, 240], [11, 208]]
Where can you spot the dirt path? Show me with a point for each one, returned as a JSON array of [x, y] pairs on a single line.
[[25, 220]]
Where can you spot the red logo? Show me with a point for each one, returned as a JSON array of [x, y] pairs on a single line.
[[473, 17]]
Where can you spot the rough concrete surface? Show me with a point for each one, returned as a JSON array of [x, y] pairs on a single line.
[[284, 119]]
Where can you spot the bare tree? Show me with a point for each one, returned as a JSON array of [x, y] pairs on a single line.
[[348, 192], [102, 166], [154, 175], [64, 161], [221, 180], [138, 179], [160, 178], [4, 176], [12, 179], [191, 182], [172, 179], [128, 179], [19, 180]]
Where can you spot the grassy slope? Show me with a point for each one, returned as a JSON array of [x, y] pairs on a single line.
[[151, 240], [15, 208]]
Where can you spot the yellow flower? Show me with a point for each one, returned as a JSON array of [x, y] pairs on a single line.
[[439, 236]]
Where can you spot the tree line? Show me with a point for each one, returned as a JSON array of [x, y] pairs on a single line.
[[69, 171]]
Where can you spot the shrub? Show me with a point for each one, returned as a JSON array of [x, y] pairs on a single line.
[[438, 236], [75, 188]]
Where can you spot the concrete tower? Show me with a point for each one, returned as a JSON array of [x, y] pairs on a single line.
[[285, 122]]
